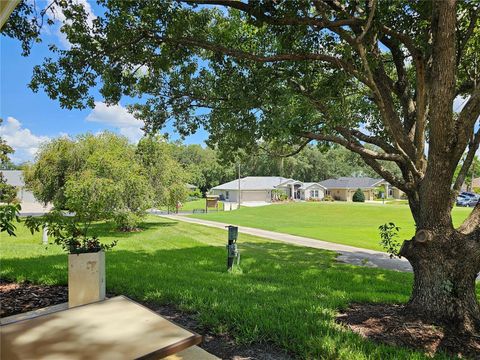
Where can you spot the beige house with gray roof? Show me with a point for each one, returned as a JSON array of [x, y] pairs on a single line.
[[262, 189]]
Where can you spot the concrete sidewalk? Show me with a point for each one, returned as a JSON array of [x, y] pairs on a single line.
[[348, 254]]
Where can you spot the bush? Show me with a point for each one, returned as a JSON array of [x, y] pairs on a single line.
[[359, 196], [194, 195], [126, 220], [279, 195], [476, 190], [328, 198]]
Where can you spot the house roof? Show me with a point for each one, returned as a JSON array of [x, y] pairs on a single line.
[[13, 177], [307, 185], [351, 183], [253, 183]]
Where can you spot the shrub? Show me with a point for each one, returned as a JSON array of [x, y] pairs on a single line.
[[476, 190], [358, 196], [68, 232], [194, 194], [328, 198], [126, 220], [279, 195]]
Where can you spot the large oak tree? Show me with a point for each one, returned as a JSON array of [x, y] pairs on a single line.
[[377, 77]]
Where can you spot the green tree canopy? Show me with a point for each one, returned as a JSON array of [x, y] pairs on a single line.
[[97, 177], [166, 176]]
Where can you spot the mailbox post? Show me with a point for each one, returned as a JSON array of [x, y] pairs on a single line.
[[232, 251]]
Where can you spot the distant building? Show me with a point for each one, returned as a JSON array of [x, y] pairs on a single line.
[[15, 178], [260, 188], [343, 188], [29, 204]]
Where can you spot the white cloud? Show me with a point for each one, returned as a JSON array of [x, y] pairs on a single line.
[[57, 15], [21, 140], [118, 117]]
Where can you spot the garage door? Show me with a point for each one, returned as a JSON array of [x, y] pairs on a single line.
[[255, 196]]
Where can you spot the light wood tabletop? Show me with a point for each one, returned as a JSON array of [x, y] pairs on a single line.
[[117, 328]]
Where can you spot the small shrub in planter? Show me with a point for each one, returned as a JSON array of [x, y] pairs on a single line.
[[86, 259], [358, 196], [67, 232]]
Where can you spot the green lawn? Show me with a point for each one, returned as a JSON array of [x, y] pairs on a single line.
[[354, 224], [282, 294]]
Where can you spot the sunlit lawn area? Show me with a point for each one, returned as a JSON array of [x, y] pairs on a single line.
[[283, 294], [354, 224]]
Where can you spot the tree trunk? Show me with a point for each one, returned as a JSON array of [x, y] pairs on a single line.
[[445, 264]]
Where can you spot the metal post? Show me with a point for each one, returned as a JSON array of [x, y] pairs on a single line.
[[232, 251], [239, 188], [45, 235]]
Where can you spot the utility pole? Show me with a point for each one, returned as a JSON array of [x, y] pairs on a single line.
[[239, 188]]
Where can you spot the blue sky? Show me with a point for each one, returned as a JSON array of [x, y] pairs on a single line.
[[32, 118]]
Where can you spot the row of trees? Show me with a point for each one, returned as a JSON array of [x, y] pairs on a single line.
[[105, 177], [208, 167]]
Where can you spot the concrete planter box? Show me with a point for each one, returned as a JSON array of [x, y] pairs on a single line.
[[86, 278]]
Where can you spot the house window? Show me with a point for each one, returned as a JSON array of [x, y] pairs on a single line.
[[227, 195], [314, 193]]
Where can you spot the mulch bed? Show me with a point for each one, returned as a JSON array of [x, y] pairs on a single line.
[[392, 325], [19, 298], [16, 298]]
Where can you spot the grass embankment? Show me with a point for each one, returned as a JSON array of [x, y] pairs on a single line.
[[354, 224], [283, 294]]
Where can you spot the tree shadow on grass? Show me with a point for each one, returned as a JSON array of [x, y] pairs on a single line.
[[109, 229], [283, 294]]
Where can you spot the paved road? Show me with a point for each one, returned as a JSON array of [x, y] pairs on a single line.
[[348, 254]]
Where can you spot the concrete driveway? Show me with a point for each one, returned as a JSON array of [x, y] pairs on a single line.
[[348, 254]]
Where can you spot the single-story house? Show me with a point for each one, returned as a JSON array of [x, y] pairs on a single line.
[[15, 178], [343, 188], [261, 189], [29, 204]]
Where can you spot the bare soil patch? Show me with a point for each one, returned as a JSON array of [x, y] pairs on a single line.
[[392, 325], [16, 298]]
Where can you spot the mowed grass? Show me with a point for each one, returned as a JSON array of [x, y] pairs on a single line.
[[354, 224], [282, 294]]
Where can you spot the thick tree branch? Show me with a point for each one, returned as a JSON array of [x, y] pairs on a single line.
[[255, 12], [354, 146], [467, 118], [467, 163], [375, 140], [463, 40], [472, 223], [333, 61], [292, 153]]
